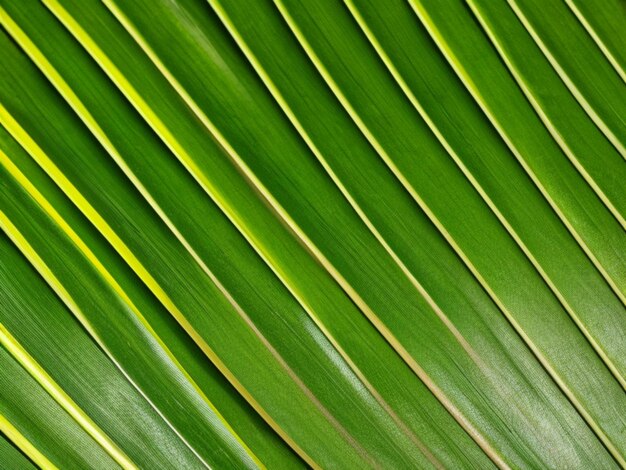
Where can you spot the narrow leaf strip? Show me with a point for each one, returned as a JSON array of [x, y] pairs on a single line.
[[42, 377], [72, 192], [24, 444], [340, 350], [600, 119], [457, 64], [13, 457], [606, 29], [489, 83], [316, 151], [386, 157], [563, 136], [225, 292], [180, 152], [294, 82], [209, 273], [596, 37], [54, 215], [266, 193], [494, 208]]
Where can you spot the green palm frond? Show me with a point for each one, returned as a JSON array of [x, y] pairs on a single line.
[[288, 234]]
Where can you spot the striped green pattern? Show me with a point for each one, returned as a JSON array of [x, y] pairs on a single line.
[[331, 234]]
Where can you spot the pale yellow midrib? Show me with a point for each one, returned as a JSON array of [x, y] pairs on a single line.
[[597, 39], [178, 150], [584, 103], [43, 378], [468, 82], [478, 187], [423, 16], [22, 443], [296, 229], [90, 122], [296, 123], [63, 15], [159, 127], [91, 257], [567, 151], [497, 459], [464, 422]]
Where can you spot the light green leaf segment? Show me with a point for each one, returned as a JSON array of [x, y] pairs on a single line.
[[328, 234]]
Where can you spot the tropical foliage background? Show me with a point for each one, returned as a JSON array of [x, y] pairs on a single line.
[[339, 234]]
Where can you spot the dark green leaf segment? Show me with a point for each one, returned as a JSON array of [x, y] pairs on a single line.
[[328, 234]]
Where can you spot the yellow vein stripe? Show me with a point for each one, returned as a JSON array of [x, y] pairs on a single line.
[[471, 86], [15, 436], [591, 31], [440, 41], [544, 361], [177, 149], [93, 126], [553, 131], [441, 138], [296, 123], [285, 107], [42, 159], [560, 141], [568, 81], [42, 377], [204, 182], [318, 154], [77, 105], [267, 259], [468, 426], [415, 102], [178, 315], [91, 257], [174, 146]]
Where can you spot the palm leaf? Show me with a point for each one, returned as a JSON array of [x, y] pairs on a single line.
[[328, 234], [13, 457]]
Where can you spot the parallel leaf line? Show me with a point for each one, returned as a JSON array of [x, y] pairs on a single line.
[[39, 156], [346, 193], [475, 434], [556, 135], [318, 154], [40, 375], [57, 286], [589, 109], [478, 187], [15, 436], [65, 90], [432, 29], [474, 90], [382, 152], [203, 181], [94, 127], [177, 149], [362, 451], [597, 39], [102, 271], [275, 267], [566, 149], [94, 217]]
